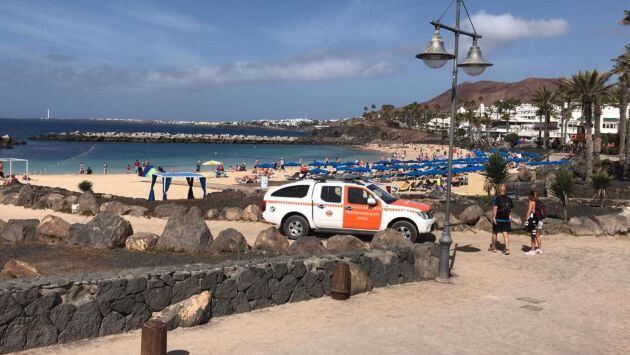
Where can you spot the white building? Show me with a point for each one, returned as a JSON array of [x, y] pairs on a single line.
[[525, 122]]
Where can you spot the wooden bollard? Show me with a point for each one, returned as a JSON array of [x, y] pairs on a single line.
[[341, 282], [153, 340]]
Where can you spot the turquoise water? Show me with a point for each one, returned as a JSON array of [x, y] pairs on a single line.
[[65, 157]]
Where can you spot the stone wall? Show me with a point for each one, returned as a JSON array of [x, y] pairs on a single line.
[[45, 310]]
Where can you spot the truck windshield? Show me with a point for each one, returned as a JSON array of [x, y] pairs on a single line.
[[382, 194]]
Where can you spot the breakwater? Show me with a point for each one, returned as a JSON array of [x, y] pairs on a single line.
[[164, 137], [8, 142]]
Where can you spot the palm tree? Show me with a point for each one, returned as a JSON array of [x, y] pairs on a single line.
[[622, 69], [486, 120], [586, 87], [496, 172], [544, 100], [601, 182], [598, 104], [565, 101], [561, 187]]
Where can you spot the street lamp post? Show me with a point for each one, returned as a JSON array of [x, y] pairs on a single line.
[[435, 56]]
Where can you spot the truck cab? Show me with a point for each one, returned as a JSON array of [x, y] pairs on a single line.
[[343, 206]]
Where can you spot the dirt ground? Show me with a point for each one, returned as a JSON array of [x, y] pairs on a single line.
[[571, 299]]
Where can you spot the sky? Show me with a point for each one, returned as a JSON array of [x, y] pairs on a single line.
[[241, 60]]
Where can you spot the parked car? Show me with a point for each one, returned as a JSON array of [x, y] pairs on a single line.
[[343, 206]]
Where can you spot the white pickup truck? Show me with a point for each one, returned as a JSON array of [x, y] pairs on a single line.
[[343, 206]]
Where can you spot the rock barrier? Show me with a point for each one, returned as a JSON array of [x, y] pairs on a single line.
[[164, 137], [43, 311]]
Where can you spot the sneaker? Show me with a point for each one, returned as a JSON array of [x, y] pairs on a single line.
[[538, 251], [531, 252]]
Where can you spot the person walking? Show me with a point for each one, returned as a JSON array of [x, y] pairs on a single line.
[[105, 168], [501, 209], [536, 212]]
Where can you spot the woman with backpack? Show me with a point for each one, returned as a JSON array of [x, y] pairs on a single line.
[[536, 212]]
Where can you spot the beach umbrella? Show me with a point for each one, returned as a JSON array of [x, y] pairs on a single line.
[[212, 163], [415, 173], [361, 169], [382, 162], [349, 163], [317, 163], [343, 168], [265, 165], [291, 163], [318, 171], [380, 167], [334, 164]]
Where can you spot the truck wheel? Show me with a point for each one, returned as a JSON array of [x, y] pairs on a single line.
[[295, 227], [407, 229]]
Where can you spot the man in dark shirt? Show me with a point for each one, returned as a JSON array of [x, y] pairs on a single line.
[[501, 209]]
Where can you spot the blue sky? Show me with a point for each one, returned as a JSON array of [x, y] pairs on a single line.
[[233, 60]]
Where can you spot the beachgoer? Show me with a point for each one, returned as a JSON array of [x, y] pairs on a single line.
[[88, 171], [534, 222], [1, 169], [128, 168], [105, 168], [502, 207], [198, 166], [136, 164], [81, 168]]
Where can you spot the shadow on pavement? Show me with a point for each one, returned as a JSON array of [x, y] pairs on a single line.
[[468, 249]]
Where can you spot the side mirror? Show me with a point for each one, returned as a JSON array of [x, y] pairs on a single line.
[[371, 201]]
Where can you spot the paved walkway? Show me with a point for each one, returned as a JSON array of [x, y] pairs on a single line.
[[572, 299]]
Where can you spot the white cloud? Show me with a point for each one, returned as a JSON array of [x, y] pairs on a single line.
[[161, 18], [505, 28], [301, 69], [347, 22]]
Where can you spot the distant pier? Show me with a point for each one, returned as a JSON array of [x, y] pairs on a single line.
[[159, 137]]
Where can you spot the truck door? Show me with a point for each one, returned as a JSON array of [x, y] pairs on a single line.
[[328, 205], [357, 213]]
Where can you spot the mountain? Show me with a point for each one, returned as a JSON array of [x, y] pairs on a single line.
[[492, 91]]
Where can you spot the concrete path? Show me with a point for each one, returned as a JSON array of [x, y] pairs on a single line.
[[572, 299]]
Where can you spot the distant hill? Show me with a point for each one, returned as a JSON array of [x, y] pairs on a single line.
[[492, 91]]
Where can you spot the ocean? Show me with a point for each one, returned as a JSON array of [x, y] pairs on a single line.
[[52, 157]]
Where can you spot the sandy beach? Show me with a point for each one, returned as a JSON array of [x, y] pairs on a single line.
[[131, 185]]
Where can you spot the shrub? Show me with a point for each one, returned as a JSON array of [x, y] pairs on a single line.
[[85, 185], [601, 182], [613, 168], [561, 187], [496, 172], [511, 138]]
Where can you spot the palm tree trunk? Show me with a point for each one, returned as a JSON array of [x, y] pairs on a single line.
[[622, 130], [597, 141], [587, 112], [565, 203], [546, 142], [540, 121]]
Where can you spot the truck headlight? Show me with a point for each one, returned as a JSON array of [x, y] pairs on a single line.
[[423, 215]]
